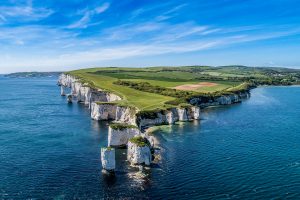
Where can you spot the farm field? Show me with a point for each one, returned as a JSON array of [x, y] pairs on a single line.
[[153, 87]]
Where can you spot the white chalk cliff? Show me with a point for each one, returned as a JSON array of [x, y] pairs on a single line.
[[170, 116], [103, 111], [83, 93]]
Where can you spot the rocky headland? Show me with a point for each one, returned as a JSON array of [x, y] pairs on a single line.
[[129, 123]]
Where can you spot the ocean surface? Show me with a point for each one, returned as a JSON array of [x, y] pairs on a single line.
[[51, 150]]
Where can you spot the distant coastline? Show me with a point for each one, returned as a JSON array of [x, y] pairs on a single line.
[[32, 74]]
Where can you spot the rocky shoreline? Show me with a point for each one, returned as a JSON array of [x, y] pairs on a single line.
[[129, 123]]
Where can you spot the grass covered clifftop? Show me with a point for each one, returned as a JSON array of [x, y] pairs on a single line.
[[163, 87]]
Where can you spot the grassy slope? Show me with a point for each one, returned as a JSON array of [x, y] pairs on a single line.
[[139, 99]]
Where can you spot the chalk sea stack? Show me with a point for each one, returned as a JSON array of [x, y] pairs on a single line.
[[139, 152], [108, 159]]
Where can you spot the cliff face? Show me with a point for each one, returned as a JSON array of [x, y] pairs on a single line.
[[126, 115], [103, 111], [170, 117], [90, 96], [221, 100], [117, 138], [83, 93]]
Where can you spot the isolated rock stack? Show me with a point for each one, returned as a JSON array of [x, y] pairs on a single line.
[[139, 151], [108, 159]]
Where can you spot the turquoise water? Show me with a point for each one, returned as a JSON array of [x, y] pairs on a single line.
[[51, 150]]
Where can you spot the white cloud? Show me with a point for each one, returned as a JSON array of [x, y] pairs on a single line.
[[82, 23], [170, 13]]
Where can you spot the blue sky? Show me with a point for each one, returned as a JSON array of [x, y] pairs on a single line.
[[61, 35]]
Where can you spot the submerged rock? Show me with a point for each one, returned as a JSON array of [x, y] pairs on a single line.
[[139, 151], [70, 98], [108, 159]]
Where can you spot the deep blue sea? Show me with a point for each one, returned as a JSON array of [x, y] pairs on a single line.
[[51, 150]]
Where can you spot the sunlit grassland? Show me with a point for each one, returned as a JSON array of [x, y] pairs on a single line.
[[132, 97]]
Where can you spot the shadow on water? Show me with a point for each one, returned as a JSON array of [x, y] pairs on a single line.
[[109, 179]]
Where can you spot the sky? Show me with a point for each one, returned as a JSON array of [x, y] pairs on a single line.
[[59, 35]]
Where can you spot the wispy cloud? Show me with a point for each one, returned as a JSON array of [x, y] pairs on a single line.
[[170, 13], [88, 14], [39, 33], [159, 47], [24, 12], [82, 22], [102, 8]]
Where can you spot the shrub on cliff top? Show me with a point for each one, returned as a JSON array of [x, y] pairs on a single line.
[[121, 126], [106, 103], [149, 114], [140, 141], [147, 87], [185, 105]]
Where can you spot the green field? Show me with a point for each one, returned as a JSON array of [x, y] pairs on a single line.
[[152, 88]]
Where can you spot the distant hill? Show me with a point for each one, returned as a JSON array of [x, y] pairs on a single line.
[[33, 74]]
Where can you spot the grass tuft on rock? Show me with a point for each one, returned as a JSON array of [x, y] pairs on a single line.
[[106, 103], [121, 126], [108, 148], [140, 141]]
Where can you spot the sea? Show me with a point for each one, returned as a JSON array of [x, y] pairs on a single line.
[[51, 150]]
